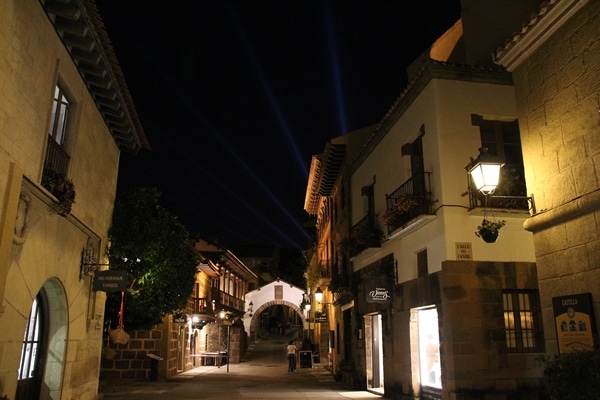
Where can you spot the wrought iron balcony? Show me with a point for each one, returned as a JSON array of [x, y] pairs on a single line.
[[411, 199], [363, 235], [511, 193]]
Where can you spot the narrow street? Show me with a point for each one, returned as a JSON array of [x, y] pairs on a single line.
[[262, 375]]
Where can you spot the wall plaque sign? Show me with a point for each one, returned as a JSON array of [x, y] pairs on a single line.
[[574, 322]]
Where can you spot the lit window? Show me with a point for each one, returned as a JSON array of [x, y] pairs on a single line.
[[57, 159], [58, 121], [522, 322]]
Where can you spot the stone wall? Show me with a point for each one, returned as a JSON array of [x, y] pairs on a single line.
[[475, 362], [558, 96], [130, 361]]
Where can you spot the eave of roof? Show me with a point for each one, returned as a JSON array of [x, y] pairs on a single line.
[[79, 27], [551, 15]]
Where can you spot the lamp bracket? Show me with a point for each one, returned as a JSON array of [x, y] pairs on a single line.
[[87, 265]]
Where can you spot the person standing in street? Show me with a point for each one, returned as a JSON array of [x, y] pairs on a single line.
[[291, 355]]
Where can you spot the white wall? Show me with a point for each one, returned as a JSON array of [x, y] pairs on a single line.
[[444, 107]]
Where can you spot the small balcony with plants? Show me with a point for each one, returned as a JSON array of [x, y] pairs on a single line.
[[363, 235], [511, 193], [412, 199]]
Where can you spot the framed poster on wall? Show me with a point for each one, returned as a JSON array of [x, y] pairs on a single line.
[[574, 322]]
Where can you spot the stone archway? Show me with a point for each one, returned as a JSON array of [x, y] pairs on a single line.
[[255, 320], [277, 293]]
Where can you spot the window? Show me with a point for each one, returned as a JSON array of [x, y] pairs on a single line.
[[522, 321], [58, 121], [57, 158], [502, 139]]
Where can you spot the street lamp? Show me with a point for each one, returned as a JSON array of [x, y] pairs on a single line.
[[485, 171], [307, 306], [319, 294]]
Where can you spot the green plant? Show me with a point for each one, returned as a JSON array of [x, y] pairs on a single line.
[[489, 226], [402, 205], [62, 188], [573, 376], [151, 245]]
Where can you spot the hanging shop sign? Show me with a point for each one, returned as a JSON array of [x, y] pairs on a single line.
[[574, 322], [110, 281], [179, 318], [379, 294], [320, 317]]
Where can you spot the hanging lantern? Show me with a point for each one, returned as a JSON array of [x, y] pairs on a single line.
[[485, 171]]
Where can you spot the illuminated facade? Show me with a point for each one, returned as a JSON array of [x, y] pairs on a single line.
[[433, 310], [65, 121], [555, 64]]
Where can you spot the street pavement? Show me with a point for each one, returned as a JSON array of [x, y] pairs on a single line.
[[262, 374]]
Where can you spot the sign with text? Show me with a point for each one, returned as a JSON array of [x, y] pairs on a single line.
[[464, 251], [110, 281], [320, 317], [179, 318], [574, 322], [379, 294]]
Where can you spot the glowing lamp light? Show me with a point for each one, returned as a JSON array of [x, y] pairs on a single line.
[[307, 306], [222, 314], [485, 171], [319, 295]]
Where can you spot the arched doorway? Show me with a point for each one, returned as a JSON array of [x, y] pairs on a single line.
[[277, 293], [40, 371]]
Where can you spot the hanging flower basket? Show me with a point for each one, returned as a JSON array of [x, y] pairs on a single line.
[[109, 353], [119, 336], [488, 230], [62, 188]]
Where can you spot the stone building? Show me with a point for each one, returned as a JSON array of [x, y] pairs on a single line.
[[208, 331], [555, 62], [65, 117]]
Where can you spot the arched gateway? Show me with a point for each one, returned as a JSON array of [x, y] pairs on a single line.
[[272, 294]]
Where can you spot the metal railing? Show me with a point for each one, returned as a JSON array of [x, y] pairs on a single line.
[[412, 198], [57, 159], [364, 234], [225, 300]]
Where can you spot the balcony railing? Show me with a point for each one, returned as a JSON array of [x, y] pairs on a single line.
[[511, 193], [363, 235], [325, 269], [411, 199], [200, 305], [226, 301], [57, 159]]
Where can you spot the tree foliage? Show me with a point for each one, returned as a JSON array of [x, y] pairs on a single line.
[[150, 244]]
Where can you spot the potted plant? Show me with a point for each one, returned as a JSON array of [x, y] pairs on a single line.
[[62, 188], [402, 205], [488, 230]]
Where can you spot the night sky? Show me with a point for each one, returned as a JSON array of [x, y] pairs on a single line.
[[236, 96]]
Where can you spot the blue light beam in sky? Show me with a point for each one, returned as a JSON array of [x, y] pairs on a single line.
[[335, 70], [266, 87]]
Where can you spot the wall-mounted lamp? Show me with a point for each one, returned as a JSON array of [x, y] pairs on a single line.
[[485, 171], [318, 294], [250, 307]]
